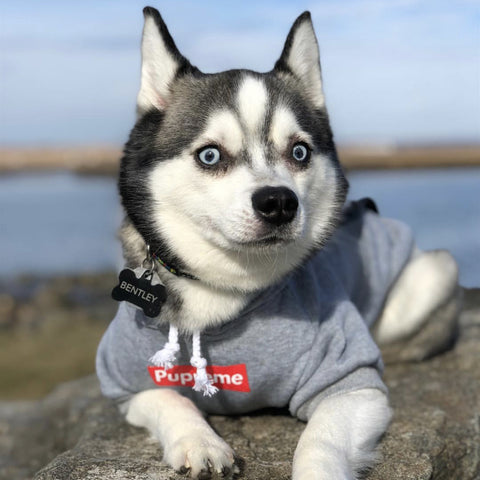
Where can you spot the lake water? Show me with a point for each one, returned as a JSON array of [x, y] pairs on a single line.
[[64, 223]]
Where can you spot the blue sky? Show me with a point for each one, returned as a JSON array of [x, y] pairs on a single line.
[[395, 71]]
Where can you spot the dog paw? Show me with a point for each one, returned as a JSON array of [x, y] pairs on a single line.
[[324, 473], [202, 454]]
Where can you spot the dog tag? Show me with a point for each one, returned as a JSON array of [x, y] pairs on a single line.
[[140, 292]]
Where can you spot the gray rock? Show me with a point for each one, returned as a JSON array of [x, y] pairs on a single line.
[[435, 433]]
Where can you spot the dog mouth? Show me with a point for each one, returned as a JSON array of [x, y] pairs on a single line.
[[250, 235], [269, 241]]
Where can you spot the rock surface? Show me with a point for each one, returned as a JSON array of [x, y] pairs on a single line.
[[75, 434]]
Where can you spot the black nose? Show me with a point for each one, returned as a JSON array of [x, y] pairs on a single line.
[[277, 205]]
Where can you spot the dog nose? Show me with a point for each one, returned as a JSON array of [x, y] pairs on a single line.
[[277, 205]]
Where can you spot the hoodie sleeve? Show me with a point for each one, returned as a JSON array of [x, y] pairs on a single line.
[[122, 356], [343, 358]]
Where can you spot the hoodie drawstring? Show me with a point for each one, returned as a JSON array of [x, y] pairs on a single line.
[[167, 355], [202, 382]]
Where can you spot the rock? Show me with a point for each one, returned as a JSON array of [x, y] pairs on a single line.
[[29, 301], [76, 434], [34, 432]]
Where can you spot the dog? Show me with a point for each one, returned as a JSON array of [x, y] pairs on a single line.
[[249, 277]]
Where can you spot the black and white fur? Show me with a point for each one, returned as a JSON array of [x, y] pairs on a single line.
[[201, 219]]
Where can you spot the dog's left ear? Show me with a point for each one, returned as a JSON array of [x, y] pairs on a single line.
[[300, 57]]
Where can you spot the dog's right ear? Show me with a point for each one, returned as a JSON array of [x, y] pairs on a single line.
[[161, 63]]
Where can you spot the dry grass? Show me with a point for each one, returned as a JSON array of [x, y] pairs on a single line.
[[410, 157], [105, 159], [50, 329], [32, 364], [95, 160]]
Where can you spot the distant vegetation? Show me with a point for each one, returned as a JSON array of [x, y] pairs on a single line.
[[105, 160]]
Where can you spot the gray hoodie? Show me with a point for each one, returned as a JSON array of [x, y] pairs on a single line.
[[297, 342]]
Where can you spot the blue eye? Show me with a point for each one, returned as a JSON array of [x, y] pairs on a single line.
[[300, 152], [209, 156]]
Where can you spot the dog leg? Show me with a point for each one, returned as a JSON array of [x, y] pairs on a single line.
[[421, 310], [187, 439], [340, 438]]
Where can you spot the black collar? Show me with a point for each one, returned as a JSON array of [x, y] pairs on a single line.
[[172, 269]]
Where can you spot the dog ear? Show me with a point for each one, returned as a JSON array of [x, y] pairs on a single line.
[[300, 57], [161, 63]]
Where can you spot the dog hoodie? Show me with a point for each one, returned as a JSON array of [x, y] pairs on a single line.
[[297, 342]]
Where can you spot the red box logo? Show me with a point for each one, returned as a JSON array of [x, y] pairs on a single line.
[[233, 377]]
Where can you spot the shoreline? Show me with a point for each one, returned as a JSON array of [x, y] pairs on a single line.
[[104, 160]]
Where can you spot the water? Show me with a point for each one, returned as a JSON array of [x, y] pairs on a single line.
[[63, 223], [441, 206], [58, 223]]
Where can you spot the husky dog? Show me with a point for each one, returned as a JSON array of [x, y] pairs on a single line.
[[231, 182]]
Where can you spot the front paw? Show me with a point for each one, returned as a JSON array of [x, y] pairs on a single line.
[[201, 453], [312, 462], [322, 472]]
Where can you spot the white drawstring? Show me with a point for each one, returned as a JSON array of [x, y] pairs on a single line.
[[167, 355], [202, 382]]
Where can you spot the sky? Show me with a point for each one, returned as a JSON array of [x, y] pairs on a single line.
[[395, 72]]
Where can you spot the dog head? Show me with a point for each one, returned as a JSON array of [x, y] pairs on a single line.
[[232, 176]]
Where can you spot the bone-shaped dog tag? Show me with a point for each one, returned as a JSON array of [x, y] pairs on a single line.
[[140, 292]]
